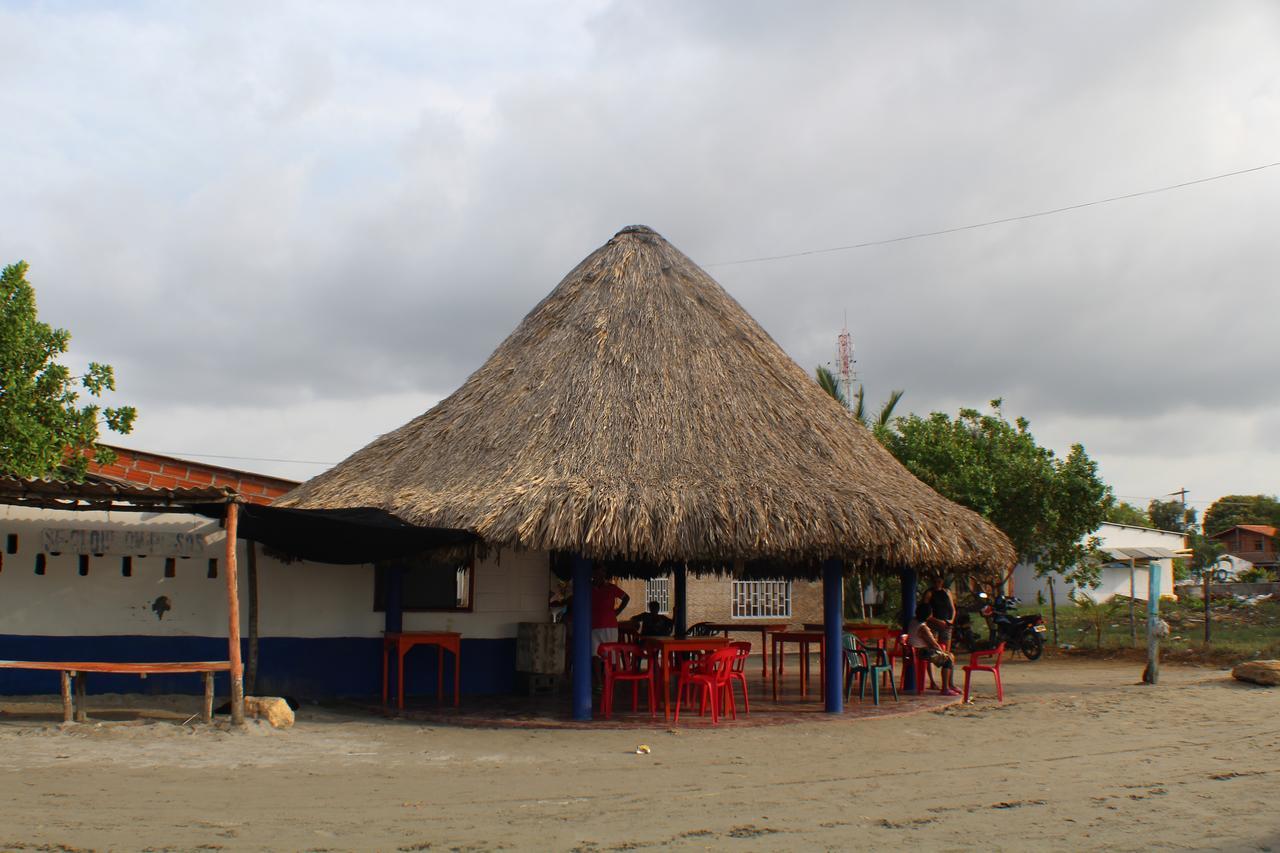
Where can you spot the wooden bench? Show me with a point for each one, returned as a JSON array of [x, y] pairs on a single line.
[[74, 708]]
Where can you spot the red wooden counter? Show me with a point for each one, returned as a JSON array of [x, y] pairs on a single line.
[[402, 641], [803, 639]]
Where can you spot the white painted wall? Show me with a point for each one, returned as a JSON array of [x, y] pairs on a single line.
[[1114, 581], [301, 599]]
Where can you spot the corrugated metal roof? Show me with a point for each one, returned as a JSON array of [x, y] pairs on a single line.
[[98, 490], [1145, 553]]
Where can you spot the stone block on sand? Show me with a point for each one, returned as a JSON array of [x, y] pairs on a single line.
[[275, 710], [1265, 672]]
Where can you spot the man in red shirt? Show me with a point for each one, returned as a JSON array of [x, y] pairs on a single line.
[[605, 609]]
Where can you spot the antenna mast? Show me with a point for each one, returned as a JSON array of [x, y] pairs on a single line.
[[845, 360]]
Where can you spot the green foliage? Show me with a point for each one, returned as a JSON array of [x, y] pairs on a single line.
[[43, 428], [1230, 510], [1096, 615], [1204, 553], [1171, 515], [1126, 513], [1047, 506]]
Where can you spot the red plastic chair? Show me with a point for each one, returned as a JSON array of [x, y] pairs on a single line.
[[625, 662], [710, 676], [973, 666], [738, 672]]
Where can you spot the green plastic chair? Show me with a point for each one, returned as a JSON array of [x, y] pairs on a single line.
[[858, 662]]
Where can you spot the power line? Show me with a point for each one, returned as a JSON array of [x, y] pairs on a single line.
[[991, 222], [240, 458]]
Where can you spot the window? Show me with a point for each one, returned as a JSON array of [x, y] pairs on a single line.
[[761, 599], [431, 581], [659, 590]]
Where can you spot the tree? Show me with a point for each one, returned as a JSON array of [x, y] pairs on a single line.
[[1047, 506], [1126, 513], [1230, 510], [1171, 515], [880, 424], [44, 430]]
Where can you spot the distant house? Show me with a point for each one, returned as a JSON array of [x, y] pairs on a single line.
[[1132, 550], [1255, 543]]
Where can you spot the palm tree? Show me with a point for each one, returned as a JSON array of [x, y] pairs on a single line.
[[828, 382]]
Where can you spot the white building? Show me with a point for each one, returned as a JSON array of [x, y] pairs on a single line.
[[68, 592], [1132, 549]]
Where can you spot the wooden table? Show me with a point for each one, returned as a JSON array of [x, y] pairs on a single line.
[[663, 649], [402, 641], [803, 639], [77, 669], [765, 629]]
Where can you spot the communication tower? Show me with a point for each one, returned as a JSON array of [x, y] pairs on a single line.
[[845, 361]]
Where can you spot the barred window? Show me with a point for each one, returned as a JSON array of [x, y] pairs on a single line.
[[761, 599], [659, 590]]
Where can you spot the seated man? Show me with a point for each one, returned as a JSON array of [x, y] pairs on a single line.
[[926, 646], [654, 624]]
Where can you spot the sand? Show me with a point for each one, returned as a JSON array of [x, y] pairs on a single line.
[[1078, 757]]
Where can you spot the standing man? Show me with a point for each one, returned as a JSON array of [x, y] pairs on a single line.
[[605, 609], [942, 611]]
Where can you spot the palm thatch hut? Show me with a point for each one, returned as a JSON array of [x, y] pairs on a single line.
[[639, 415]]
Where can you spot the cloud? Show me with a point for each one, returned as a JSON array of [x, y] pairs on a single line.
[[267, 209]]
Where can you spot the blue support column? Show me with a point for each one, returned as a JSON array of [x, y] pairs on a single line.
[[682, 601], [908, 578], [581, 656], [833, 627]]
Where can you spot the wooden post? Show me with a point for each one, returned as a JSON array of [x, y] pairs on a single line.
[[251, 666], [1152, 674], [233, 620], [1207, 574], [207, 711], [82, 715], [1053, 609], [68, 707], [1133, 594]]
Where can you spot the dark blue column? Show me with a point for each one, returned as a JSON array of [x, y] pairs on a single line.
[[394, 616], [908, 578], [682, 601], [833, 626], [581, 656]]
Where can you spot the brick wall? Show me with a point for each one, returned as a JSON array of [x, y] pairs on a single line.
[[167, 472]]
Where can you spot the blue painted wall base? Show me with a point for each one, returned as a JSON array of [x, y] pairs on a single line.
[[302, 667]]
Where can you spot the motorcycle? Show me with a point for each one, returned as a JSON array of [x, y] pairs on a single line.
[[1019, 633]]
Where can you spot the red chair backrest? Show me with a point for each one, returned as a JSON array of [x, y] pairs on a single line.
[[741, 651], [999, 654], [621, 657], [719, 664]]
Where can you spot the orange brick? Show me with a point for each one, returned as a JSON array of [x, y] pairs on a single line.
[[162, 482]]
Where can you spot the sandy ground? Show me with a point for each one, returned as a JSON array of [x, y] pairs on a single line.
[[1078, 757]]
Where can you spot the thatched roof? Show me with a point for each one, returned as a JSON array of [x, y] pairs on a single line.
[[638, 412]]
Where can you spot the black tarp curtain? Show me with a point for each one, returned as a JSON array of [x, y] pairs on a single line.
[[345, 536]]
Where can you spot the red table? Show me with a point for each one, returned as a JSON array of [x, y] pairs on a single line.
[[663, 649], [402, 641], [803, 639], [765, 629]]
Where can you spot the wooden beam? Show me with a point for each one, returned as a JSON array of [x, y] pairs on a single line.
[[233, 623], [68, 706]]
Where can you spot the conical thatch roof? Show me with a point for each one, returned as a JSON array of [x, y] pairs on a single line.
[[638, 412]]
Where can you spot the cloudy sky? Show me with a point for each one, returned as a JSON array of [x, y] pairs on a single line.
[[292, 227]]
